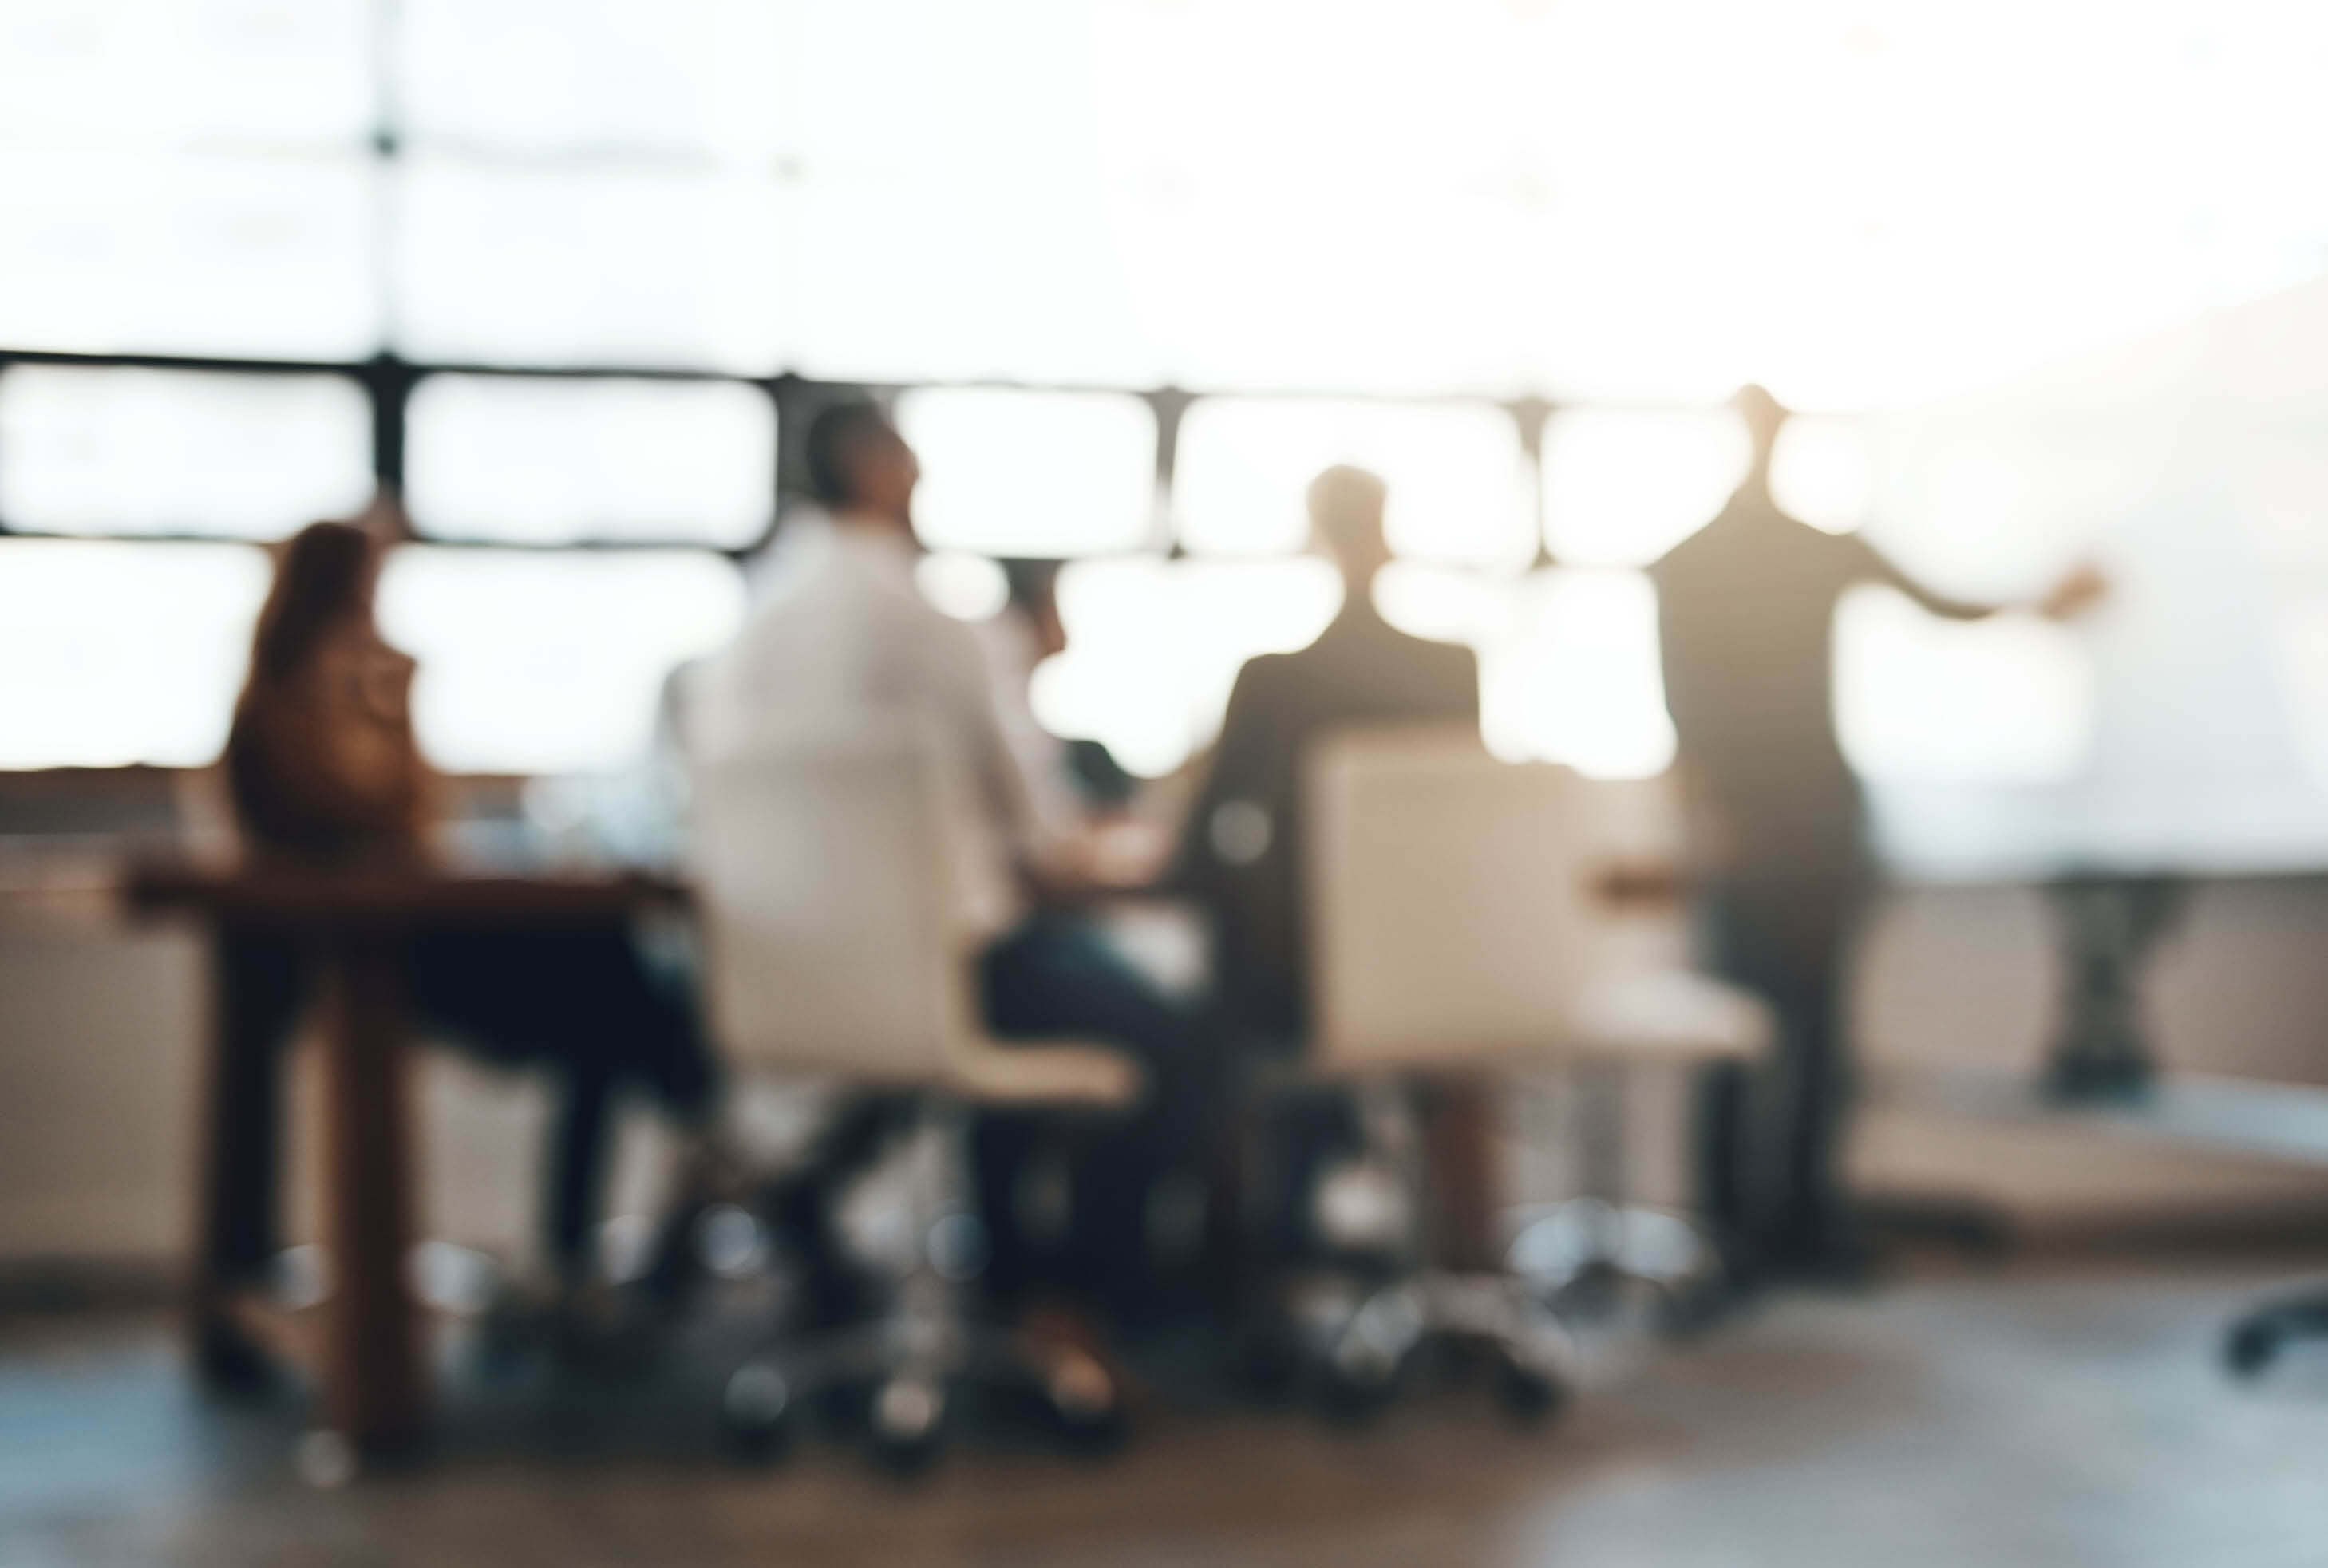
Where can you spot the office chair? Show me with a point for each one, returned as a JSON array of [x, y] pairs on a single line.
[[835, 952], [1456, 927]]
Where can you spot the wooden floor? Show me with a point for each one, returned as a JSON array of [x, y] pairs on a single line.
[[2070, 1414]]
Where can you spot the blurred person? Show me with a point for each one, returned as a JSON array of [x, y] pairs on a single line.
[[1746, 610], [840, 632], [1241, 848], [323, 771], [1241, 854]]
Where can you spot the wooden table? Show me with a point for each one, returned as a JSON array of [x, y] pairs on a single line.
[[366, 1357]]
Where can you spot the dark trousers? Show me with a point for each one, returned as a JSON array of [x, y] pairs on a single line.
[[1770, 1144], [576, 999], [1055, 976]]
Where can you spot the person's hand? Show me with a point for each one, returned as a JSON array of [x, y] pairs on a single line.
[[2080, 589]]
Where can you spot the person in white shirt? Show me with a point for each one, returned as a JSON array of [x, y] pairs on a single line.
[[839, 631]]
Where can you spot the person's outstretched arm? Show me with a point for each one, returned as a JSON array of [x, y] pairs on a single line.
[[2078, 589], [1869, 564]]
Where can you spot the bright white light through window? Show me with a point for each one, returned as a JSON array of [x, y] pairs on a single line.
[[1821, 472], [549, 664], [1622, 487], [568, 268], [115, 653], [1569, 666], [1457, 475], [541, 460], [172, 72], [972, 278], [2007, 700], [119, 252], [1031, 473], [1154, 647], [548, 76], [969, 587], [1344, 286], [101, 450], [1577, 679]]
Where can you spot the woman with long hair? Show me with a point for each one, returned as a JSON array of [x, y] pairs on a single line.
[[323, 770]]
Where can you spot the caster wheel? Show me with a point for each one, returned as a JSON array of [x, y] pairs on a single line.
[[1085, 1407], [1095, 1435], [1529, 1396], [905, 1427], [758, 1418], [2250, 1347], [1355, 1391], [226, 1364]]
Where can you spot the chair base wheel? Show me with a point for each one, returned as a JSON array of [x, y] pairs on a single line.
[[758, 1418], [1529, 1396], [2251, 1347]]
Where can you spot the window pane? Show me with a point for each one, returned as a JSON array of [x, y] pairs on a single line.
[[941, 91], [1031, 473], [1823, 471], [917, 279], [1457, 475], [89, 450], [530, 460], [548, 75], [1154, 646], [115, 252], [549, 663], [1577, 678], [115, 653], [1357, 287], [2007, 700], [173, 71], [540, 268], [1622, 487]]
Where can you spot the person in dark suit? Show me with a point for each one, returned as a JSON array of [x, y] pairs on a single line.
[[1746, 608], [1241, 849]]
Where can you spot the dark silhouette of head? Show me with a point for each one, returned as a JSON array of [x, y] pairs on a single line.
[[324, 580], [1345, 517], [1763, 414], [859, 465]]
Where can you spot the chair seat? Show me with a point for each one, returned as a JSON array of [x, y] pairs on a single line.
[[1670, 1013], [1662, 1015], [1051, 1073]]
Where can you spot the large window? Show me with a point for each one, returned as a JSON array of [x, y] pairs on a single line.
[[1138, 268]]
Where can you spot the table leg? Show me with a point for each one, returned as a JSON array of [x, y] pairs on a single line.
[[372, 1391], [256, 992], [1459, 1140]]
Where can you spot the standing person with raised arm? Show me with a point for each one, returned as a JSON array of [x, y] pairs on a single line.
[[1746, 610]]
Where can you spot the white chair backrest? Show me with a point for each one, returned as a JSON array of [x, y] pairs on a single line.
[[821, 863], [1455, 900]]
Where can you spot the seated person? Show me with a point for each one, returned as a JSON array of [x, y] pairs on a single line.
[[322, 769], [1241, 850], [840, 632]]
